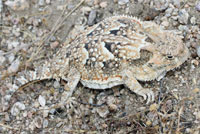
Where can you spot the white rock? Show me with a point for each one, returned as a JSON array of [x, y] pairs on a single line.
[[165, 23], [45, 123], [1, 6], [7, 97], [18, 4], [103, 4], [160, 5], [2, 60], [45, 111], [168, 12], [38, 121], [13, 44], [14, 66], [86, 9], [198, 115], [122, 2], [17, 107], [11, 57], [183, 16], [48, 1], [198, 50], [176, 3], [198, 6], [41, 2], [56, 84], [193, 20], [92, 17], [103, 111], [42, 101]]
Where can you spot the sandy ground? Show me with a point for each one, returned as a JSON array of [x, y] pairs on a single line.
[[31, 32]]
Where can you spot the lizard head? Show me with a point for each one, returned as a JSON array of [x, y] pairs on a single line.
[[168, 50]]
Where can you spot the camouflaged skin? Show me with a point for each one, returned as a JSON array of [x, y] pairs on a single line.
[[118, 50]]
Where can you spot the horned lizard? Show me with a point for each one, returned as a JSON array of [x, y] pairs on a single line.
[[118, 50]]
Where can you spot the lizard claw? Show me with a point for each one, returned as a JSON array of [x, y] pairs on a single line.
[[147, 95]]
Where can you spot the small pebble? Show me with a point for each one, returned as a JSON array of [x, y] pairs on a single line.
[[38, 121], [45, 111], [1, 6], [36, 104], [161, 5], [153, 107], [103, 111], [103, 4], [2, 60], [48, 1], [42, 101], [7, 97], [168, 12], [198, 6], [198, 115], [113, 107], [122, 2], [41, 2], [17, 107], [11, 57], [92, 17], [45, 123], [196, 90], [165, 23], [148, 123], [176, 3], [7, 117], [198, 50], [14, 66], [52, 38], [86, 9], [193, 20], [13, 44], [195, 62], [25, 114], [18, 5], [183, 16], [54, 44], [56, 84]]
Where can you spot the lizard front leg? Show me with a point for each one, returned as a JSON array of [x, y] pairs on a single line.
[[131, 82]]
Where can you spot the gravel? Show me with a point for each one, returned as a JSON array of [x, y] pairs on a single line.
[[33, 109]]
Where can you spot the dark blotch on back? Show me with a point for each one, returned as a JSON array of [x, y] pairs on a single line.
[[86, 46], [108, 46], [105, 64], [114, 32], [148, 39], [68, 54]]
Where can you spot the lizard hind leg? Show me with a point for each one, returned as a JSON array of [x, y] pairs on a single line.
[[72, 79], [131, 82]]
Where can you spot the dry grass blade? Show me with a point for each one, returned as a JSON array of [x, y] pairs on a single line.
[[54, 29], [8, 127], [179, 116]]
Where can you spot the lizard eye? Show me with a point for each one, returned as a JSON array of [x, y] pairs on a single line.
[[170, 57]]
